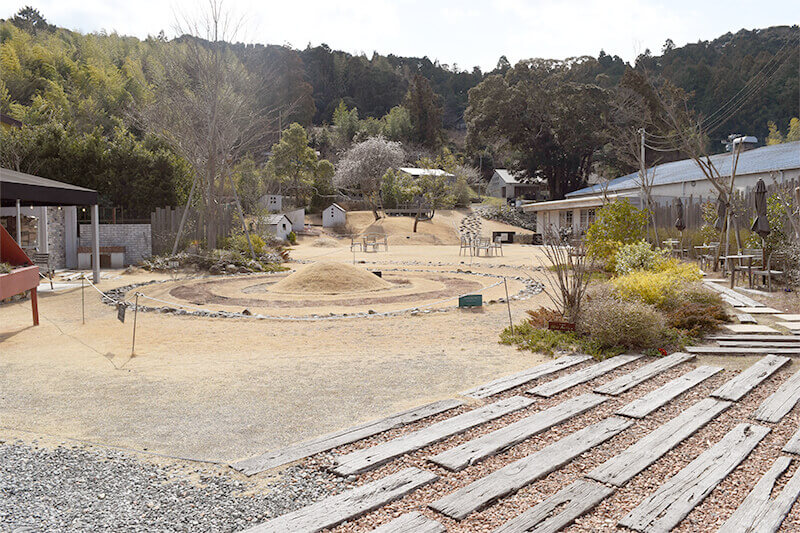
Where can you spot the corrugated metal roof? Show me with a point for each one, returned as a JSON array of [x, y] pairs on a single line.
[[506, 176], [273, 220], [413, 171], [765, 159]]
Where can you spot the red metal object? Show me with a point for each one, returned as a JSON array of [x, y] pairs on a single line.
[[25, 275]]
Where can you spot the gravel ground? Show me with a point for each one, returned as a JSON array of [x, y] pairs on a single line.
[[78, 488]]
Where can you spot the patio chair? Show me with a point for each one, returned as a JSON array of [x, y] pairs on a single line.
[[46, 271], [775, 266], [482, 243], [707, 260], [497, 245], [466, 245], [354, 244], [370, 242], [755, 262]]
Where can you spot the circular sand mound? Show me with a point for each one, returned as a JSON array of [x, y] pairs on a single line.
[[330, 278]]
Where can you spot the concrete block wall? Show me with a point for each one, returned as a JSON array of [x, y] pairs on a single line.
[[56, 237], [136, 238]]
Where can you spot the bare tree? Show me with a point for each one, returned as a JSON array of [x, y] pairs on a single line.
[[568, 274], [205, 106]]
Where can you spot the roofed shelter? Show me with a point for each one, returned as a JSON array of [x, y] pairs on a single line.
[[18, 189]]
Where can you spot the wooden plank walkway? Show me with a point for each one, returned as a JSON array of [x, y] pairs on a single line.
[[513, 477], [551, 388], [746, 318], [374, 456], [779, 403], [757, 344], [793, 446], [572, 501], [753, 337], [750, 378], [742, 300], [479, 448], [672, 501], [287, 455], [760, 512], [415, 522], [348, 505], [713, 350], [628, 381], [622, 467], [520, 378], [648, 403]]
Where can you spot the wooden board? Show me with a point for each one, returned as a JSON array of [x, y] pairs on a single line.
[[415, 522], [750, 350], [749, 328], [551, 388], [479, 448], [760, 512], [374, 456], [520, 378], [760, 344], [794, 326], [788, 317], [628, 381], [758, 338], [743, 300], [648, 403], [348, 505], [513, 477], [758, 310], [779, 403], [672, 501], [572, 501], [750, 378], [793, 446], [746, 318], [293, 453], [622, 467]]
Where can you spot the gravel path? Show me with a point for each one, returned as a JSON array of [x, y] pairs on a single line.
[[89, 489]]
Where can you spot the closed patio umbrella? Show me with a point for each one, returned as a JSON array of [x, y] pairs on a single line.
[[680, 224], [721, 213], [761, 223]]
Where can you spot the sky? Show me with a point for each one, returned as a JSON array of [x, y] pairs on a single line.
[[461, 32]]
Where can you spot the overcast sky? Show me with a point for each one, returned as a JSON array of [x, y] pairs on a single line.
[[462, 32]]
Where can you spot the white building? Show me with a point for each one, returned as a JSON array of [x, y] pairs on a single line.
[[505, 185], [678, 179], [334, 215], [279, 225], [419, 172], [298, 218], [271, 202]]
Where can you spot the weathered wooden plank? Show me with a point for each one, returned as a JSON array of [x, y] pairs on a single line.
[[757, 344], [648, 403], [415, 522], [746, 301], [572, 501], [551, 388], [622, 467], [520, 378], [513, 477], [672, 501], [793, 446], [713, 350], [277, 458], [759, 512], [746, 318], [479, 448], [754, 337], [349, 504], [374, 456], [779, 403], [628, 381], [759, 310], [750, 378]]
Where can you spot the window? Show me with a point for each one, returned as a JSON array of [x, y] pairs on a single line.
[[565, 219]]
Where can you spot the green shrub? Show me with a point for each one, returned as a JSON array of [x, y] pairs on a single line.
[[616, 223], [637, 256], [292, 237], [529, 337], [626, 324], [5, 268], [238, 243], [540, 318], [659, 287]]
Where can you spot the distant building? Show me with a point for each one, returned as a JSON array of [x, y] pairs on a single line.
[[279, 225], [271, 202], [419, 172], [298, 218], [505, 185], [333, 216]]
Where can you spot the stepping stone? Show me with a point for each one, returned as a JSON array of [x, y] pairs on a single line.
[[415, 522], [293, 453], [374, 456], [793, 446], [794, 326], [514, 380], [578, 498], [750, 328], [645, 405], [672, 501], [759, 512], [750, 378], [745, 318], [628, 381], [744, 350], [780, 402], [551, 388], [787, 317], [479, 448], [758, 310], [513, 477], [622, 467], [348, 505]]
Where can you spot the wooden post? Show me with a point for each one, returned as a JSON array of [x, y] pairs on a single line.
[[35, 306], [135, 313], [508, 303], [83, 299], [96, 243]]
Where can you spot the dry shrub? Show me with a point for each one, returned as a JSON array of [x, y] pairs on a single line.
[[630, 324], [539, 318], [695, 310]]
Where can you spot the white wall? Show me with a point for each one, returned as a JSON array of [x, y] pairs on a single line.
[[332, 217]]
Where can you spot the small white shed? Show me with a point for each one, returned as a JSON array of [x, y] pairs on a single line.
[[271, 202], [279, 225], [297, 218], [334, 215]]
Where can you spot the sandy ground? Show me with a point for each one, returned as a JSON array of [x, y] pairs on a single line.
[[224, 389]]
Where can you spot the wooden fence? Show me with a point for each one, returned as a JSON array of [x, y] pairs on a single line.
[[164, 222]]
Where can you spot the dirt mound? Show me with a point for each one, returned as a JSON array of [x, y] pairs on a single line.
[[330, 278]]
